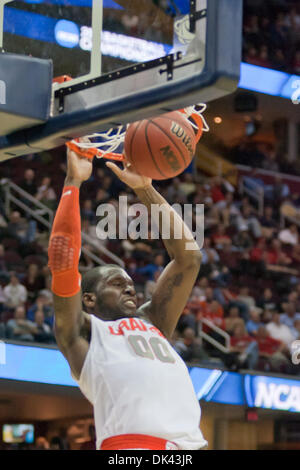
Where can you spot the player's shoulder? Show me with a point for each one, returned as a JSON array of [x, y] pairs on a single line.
[[86, 326], [86, 318], [143, 312], [91, 323]]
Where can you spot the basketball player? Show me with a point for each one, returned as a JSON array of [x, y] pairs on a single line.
[[120, 356]]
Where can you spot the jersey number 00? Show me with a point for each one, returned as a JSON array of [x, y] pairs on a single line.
[[154, 348]]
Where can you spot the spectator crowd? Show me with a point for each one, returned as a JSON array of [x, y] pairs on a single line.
[[271, 29], [272, 34]]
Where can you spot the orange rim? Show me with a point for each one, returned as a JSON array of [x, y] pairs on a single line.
[[118, 157], [94, 152], [199, 123], [62, 79]]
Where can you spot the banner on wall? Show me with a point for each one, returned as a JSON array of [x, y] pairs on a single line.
[[48, 366]]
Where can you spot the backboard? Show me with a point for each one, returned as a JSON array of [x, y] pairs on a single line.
[[127, 59]]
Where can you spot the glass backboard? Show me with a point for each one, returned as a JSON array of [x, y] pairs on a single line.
[[88, 38], [127, 59]]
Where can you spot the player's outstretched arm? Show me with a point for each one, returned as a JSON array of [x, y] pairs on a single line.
[[176, 281], [64, 253]]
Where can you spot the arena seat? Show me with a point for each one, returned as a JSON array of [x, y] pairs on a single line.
[[10, 243], [12, 259], [35, 259]]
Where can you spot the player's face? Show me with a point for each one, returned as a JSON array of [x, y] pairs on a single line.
[[116, 296]]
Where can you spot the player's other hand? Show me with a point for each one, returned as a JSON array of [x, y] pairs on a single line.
[[129, 176], [79, 168]]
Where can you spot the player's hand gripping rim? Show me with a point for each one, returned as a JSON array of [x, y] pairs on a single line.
[[79, 168], [129, 175]]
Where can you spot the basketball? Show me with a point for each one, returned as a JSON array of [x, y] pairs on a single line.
[[133, 259], [161, 147]]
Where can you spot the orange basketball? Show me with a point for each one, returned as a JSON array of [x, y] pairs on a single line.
[[161, 147]]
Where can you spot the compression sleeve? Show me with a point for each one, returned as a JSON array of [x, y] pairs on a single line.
[[65, 245]]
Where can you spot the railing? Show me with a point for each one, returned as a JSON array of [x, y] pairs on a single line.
[[9, 187], [257, 193], [86, 238], [40, 210], [268, 176], [212, 341], [289, 218]]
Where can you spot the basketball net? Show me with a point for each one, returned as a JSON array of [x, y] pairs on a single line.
[[114, 137], [182, 29]]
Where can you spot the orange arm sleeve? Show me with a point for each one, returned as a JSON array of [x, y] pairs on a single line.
[[65, 245]]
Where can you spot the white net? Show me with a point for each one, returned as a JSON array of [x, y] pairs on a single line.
[[182, 29], [110, 140], [192, 110]]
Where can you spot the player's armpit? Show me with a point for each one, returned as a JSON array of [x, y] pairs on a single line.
[[172, 292]]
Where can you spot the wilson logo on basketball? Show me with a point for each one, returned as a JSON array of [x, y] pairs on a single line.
[[170, 157], [177, 130]]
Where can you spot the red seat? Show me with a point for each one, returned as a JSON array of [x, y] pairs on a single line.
[[35, 259], [12, 259]]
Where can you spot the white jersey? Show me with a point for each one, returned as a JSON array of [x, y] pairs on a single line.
[[138, 384]]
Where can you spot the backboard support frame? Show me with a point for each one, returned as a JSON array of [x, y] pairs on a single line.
[[2, 5], [82, 116]]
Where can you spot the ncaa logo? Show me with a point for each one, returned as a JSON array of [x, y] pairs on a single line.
[[170, 157], [2, 92], [296, 93], [2, 353]]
